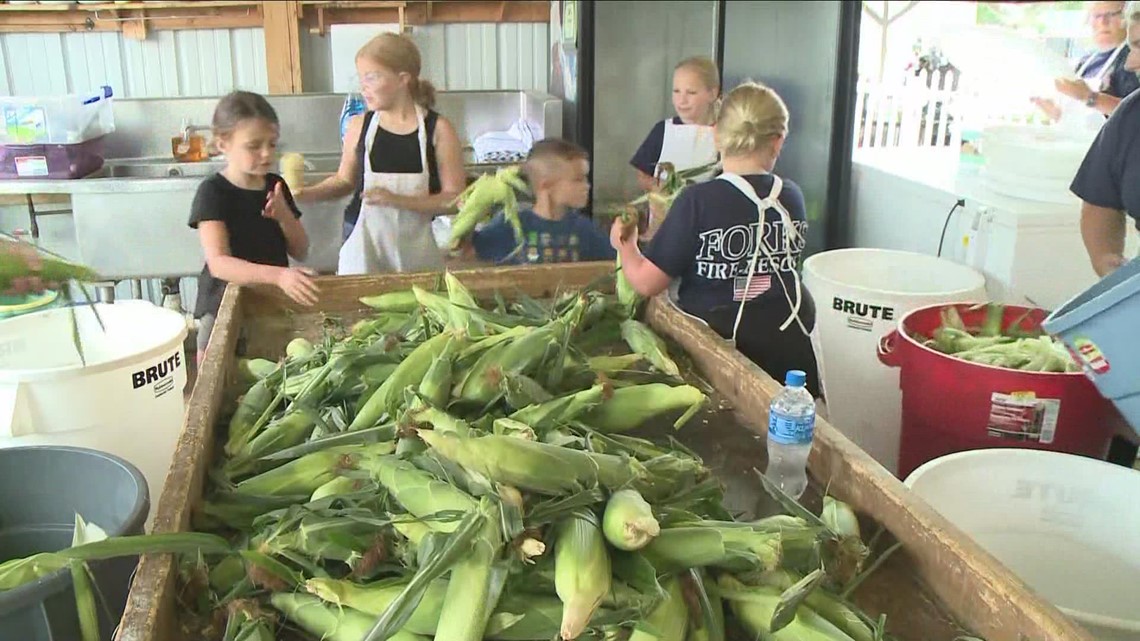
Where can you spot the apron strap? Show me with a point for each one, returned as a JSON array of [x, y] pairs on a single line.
[[790, 236]]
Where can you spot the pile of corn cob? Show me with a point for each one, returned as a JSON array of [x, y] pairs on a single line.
[[441, 469], [452, 471]]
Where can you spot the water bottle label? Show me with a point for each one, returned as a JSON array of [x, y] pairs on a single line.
[[791, 430]]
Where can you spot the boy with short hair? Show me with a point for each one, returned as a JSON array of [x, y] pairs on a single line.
[[553, 230]]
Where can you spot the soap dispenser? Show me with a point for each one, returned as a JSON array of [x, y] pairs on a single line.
[[188, 146]]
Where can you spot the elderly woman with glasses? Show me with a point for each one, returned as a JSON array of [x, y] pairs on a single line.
[[402, 162], [1102, 77]]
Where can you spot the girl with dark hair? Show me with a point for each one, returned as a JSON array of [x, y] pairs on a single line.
[[245, 216]]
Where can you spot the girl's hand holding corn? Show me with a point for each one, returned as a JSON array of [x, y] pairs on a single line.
[[25, 284], [623, 232], [297, 283]]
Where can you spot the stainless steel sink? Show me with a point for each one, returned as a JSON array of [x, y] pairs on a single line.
[[161, 170]]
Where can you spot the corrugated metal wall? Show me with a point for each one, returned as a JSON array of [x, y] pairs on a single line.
[[201, 62], [210, 62]]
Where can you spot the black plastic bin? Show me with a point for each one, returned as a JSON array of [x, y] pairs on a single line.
[[41, 490]]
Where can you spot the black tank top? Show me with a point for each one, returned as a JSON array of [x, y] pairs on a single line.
[[394, 154]]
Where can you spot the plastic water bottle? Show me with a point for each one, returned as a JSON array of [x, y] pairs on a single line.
[[353, 105], [791, 425]]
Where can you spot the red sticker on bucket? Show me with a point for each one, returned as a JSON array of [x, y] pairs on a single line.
[[1088, 354]]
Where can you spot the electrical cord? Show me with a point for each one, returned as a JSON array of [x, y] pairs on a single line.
[[945, 225]]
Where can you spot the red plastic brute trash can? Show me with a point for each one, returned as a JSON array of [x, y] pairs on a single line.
[[951, 405]]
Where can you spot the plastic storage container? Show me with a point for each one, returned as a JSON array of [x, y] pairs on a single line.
[[1067, 525], [951, 405], [1099, 326], [51, 161], [59, 120], [859, 295], [128, 398], [41, 490]]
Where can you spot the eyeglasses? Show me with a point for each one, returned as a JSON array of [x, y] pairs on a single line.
[[371, 79], [1105, 16]]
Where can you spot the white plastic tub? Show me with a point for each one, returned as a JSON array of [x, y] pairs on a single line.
[[860, 295], [1069, 526], [128, 400]]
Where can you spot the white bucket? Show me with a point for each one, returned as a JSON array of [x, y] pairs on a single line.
[[1067, 525], [860, 295], [128, 399]]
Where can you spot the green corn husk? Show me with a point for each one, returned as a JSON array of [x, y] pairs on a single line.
[[628, 522], [518, 356], [644, 341], [463, 305], [669, 621], [436, 384], [582, 571], [560, 411], [522, 391], [630, 407], [255, 369], [629, 301], [733, 548], [288, 431], [613, 364], [823, 603], [336, 487], [403, 302], [52, 270], [374, 600], [754, 607], [255, 402], [839, 517], [420, 493], [329, 623], [533, 466], [308, 473], [388, 398], [299, 348]]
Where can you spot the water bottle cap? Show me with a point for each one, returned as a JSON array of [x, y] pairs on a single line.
[[795, 378]]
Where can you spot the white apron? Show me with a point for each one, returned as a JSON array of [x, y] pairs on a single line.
[[688, 146], [685, 146], [386, 239], [790, 234]]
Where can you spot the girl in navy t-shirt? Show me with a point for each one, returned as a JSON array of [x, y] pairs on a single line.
[[735, 243]]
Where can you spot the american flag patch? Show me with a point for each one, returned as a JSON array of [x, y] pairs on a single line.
[[760, 284]]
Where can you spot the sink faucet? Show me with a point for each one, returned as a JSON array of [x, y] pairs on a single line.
[[188, 129]]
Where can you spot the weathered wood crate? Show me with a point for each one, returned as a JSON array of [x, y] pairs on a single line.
[[938, 586]]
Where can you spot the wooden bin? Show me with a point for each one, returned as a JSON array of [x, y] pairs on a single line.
[[939, 579]]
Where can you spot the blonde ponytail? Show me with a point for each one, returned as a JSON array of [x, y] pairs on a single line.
[[751, 117]]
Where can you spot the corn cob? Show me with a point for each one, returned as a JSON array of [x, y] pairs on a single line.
[[733, 548], [255, 369], [612, 364], [291, 429], [839, 517], [521, 391], [514, 429], [533, 466], [710, 625], [668, 621], [629, 301], [419, 492], [299, 348], [479, 199], [326, 623], [630, 407], [388, 398], [755, 606], [374, 599], [464, 308], [823, 603], [250, 408], [336, 487], [628, 522], [52, 270], [644, 341], [402, 302], [560, 411], [436, 384], [306, 474], [582, 572], [518, 356]]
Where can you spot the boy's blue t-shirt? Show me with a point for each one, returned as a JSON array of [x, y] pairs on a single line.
[[572, 239]]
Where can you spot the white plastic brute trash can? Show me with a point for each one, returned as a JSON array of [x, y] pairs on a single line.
[[1066, 524], [860, 295], [128, 398]]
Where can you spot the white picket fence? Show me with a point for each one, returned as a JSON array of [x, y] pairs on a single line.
[[906, 116]]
